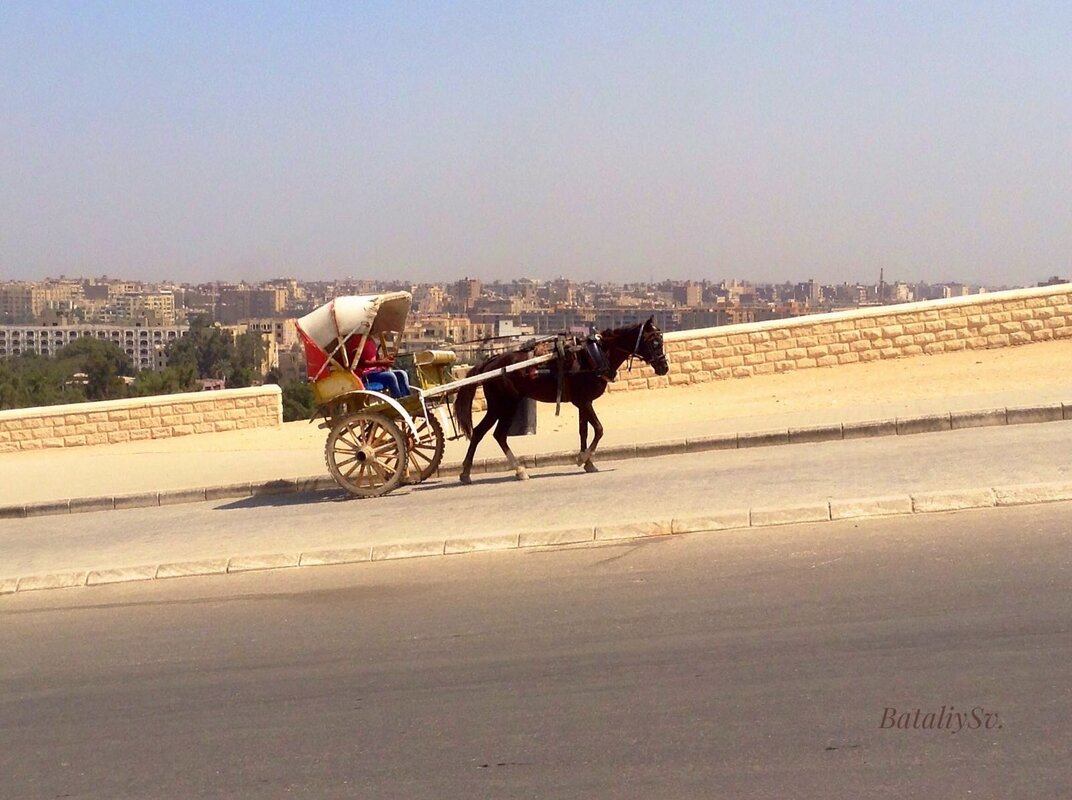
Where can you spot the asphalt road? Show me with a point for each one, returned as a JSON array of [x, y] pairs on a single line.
[[555, 497], [753, 664]]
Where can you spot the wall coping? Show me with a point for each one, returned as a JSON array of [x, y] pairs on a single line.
[[139, 402], [870, 311]]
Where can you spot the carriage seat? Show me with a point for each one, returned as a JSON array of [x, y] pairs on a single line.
[[371, 382]]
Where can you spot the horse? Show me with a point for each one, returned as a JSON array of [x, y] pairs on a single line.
[[580, 386]]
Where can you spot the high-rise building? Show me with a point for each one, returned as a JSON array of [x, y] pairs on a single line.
[[21, 302], [466, 291]]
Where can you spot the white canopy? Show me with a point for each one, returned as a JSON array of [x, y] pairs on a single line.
[[361, 314]]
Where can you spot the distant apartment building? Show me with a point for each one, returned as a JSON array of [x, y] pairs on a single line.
[[145, 346], [466, 292], [810, 293], [548, 322], [148, 308], [688, 294], [280, 336], [428, 332], [93, 290], [562, 292], [955, 290], [238, 303], [429, 299], [283, 332], [497, 305], [23, 302], [667, 319]]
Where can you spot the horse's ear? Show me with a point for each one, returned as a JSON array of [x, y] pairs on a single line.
[[651, 322]]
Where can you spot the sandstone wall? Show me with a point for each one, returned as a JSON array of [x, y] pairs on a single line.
[[999, 319], [142, 418]]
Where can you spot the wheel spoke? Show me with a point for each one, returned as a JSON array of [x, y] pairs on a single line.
[[363, 473], [379, 468]]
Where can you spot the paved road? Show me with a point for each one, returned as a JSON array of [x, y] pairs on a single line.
[[738, 665], [680, 485]]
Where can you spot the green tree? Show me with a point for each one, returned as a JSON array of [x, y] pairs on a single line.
[[249, 354], [102, 362], [297, 401], [170, 380], [213, 353], [32, 380], [208, 349]]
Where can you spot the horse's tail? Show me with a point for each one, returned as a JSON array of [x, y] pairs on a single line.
[[463, 401], [463, 409]]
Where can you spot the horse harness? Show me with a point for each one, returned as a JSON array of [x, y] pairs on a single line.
[[590, 354]]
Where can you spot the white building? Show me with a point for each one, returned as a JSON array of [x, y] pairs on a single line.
[[145, 346]]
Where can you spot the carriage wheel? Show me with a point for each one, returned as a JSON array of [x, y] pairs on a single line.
[[425, 450], [366, 454]]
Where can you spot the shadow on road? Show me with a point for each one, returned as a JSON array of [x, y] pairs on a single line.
[[282, 500], [484, 479], [450, 483]]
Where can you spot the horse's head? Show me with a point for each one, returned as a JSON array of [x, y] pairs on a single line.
[[649, 347]]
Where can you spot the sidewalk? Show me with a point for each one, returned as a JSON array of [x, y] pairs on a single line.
[[1018, 376]]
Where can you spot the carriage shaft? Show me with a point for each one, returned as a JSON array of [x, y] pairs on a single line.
[[484, 377]]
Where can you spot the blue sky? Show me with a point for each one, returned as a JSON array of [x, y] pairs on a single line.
[[772, 141]]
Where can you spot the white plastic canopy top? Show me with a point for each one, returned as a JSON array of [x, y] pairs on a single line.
[[362, 314]]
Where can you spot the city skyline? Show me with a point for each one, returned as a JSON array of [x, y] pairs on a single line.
[[403, 281], [623, 142]]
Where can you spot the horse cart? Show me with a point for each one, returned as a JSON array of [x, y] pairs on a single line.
[[376, 440]]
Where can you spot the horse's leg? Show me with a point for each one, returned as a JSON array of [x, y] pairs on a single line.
[[597, 428], [501, 434], [582, 419], [478, 433]]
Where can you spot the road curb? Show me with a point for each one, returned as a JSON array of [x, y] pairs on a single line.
[[830, 510], [900, 426], [928, 502], [870, 507]]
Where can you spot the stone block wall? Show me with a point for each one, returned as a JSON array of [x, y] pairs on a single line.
[[142, 418], [998, 319]]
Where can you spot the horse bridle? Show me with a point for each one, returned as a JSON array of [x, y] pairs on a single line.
[[635, 352]]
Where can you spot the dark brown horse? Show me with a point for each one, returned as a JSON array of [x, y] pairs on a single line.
[[581, 386]]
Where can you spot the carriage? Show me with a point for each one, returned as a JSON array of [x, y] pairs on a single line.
[[376, 440]]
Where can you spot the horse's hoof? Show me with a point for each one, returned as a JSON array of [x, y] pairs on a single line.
[[522, 475], [581, 458], [590, 467], [465, 479]]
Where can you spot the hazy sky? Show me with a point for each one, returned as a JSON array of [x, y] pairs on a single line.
[[617, 140]]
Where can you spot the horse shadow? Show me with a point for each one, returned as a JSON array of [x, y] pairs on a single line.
[[491, 479]]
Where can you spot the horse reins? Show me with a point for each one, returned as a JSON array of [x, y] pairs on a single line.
[[636, 349]]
